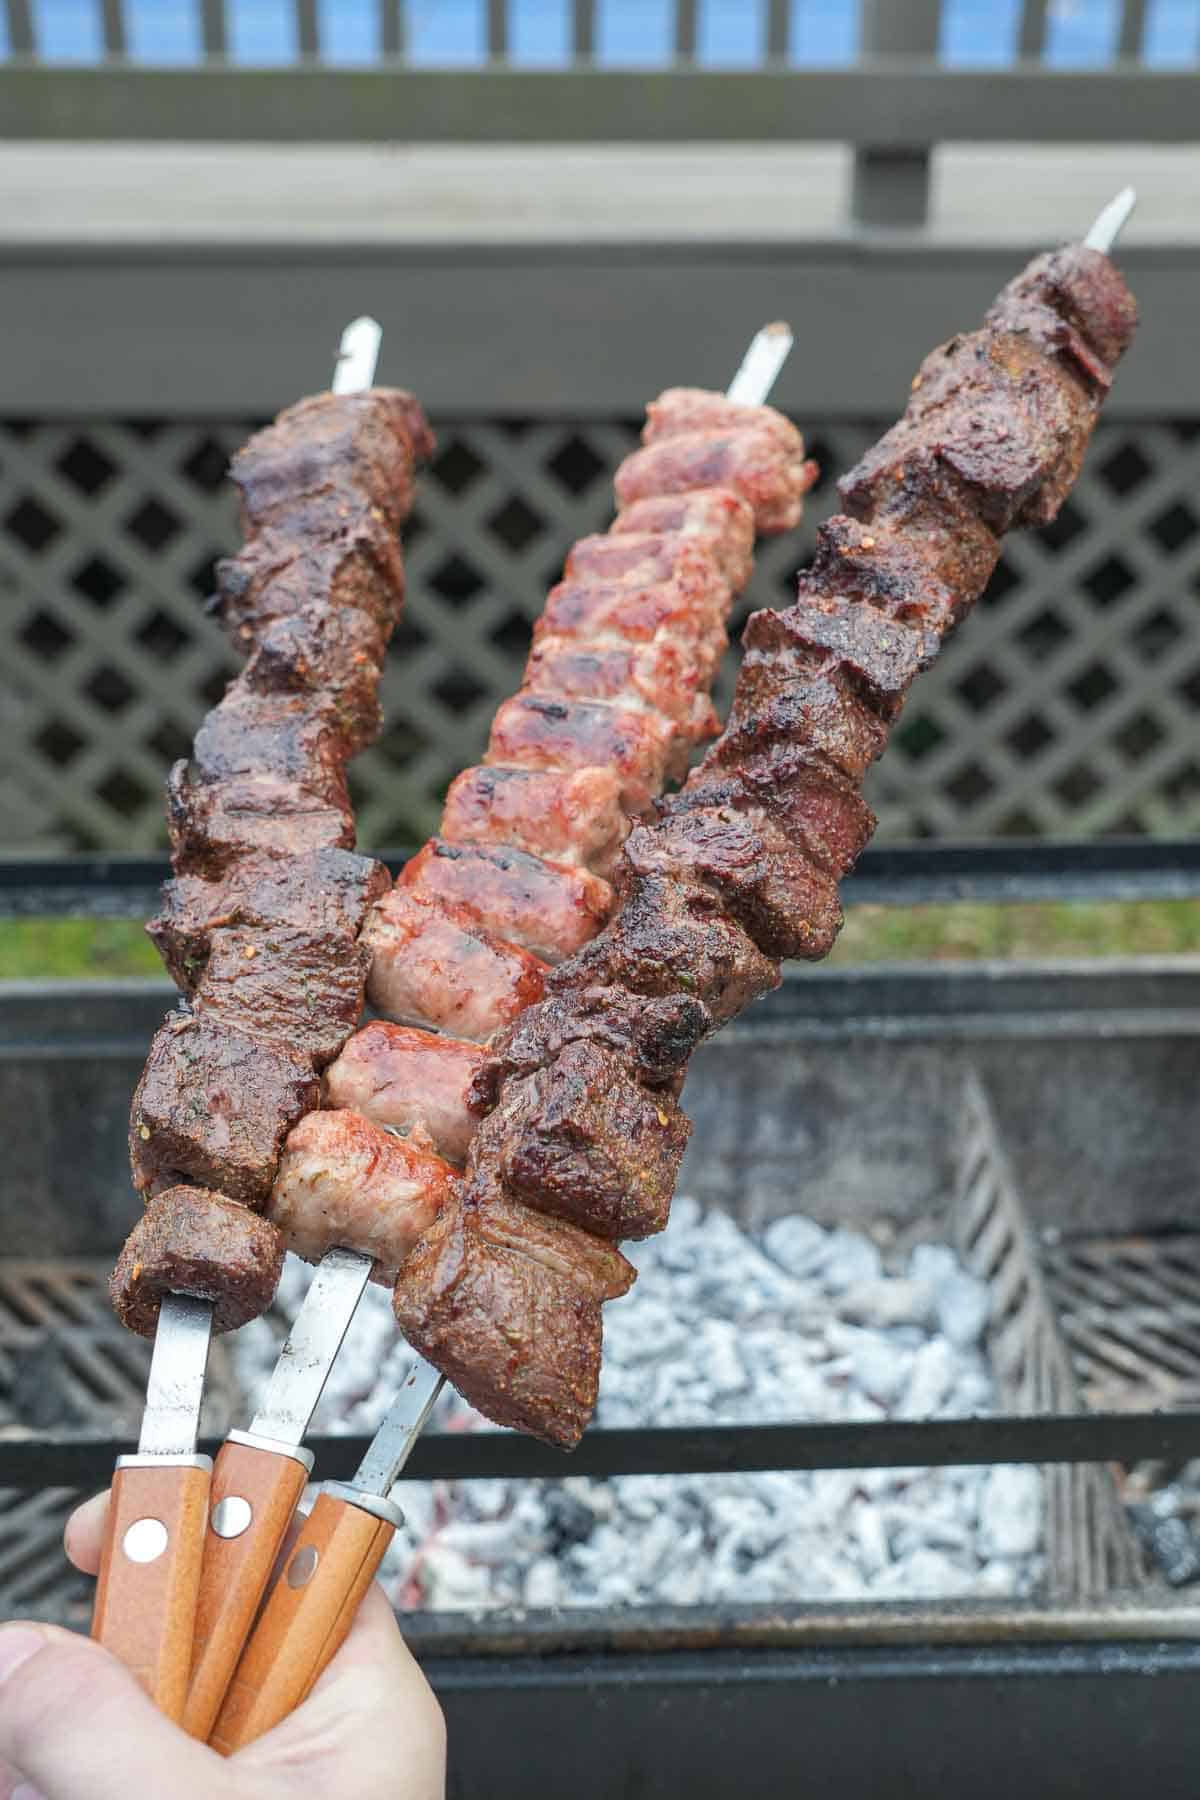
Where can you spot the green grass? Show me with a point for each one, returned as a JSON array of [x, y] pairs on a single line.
[[74, 949], [99, 949], [1047, 929]]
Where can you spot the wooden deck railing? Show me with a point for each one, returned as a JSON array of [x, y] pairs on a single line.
[[896, 100]]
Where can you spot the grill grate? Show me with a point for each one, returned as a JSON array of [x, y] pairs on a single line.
[[1129, 1311], [1090, 1547], [67, 1366]]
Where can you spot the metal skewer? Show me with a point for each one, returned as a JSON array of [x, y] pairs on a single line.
[[1111, 221]]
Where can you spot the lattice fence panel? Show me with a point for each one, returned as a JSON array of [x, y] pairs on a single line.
[[1066, 707]]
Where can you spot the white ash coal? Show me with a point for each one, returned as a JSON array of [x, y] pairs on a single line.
[[799, 1323]]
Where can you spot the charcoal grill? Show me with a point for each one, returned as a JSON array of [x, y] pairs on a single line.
[[1055, 1105]]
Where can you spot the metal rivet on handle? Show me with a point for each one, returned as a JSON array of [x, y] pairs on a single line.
[[231, 1516], [303, 1566], [145, 1540]]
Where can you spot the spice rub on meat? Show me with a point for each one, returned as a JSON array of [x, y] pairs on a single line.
[[260, 924], [741, 866]]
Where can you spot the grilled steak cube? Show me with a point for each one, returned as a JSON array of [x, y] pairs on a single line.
[[819, 811], [580, 1140], [276, 575], [213, 1108], [671, 937], [506, 1303], [214, 825], [192, 1241], [299, 990], [786, 903], [328, 892], [653, 1037]]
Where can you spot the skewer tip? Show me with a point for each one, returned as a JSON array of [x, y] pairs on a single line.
[[769, 350], [358, 353], [1111, 221]]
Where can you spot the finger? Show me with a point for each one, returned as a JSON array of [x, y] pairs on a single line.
[[84, 1533], [372, 1716], [73, 1721]]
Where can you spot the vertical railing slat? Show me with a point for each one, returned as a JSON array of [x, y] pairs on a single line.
[[392, 35], [584, 30], [113, 21], [779, 30], [213, 30], [308, 29], [1031, 40], [685, 30], [1133, 30], [497, 30], [891, 180], [22, 39]]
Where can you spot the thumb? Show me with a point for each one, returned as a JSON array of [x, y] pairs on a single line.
[[76, 1725]]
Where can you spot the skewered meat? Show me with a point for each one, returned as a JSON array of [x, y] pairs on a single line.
[[517, 897], [192, 1241], [327, 893], [260, 924], [750, 462], [615, 697], [496, 1287], [213, 1108], [582, 1125], [410, 1081], [345, 1181], [573, 817], [533, 731], [740, 866], [292, 989], [436, 965]]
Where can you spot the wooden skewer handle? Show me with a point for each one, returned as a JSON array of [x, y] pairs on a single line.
[[150, 1571], [306, 1617], [254, 1494]]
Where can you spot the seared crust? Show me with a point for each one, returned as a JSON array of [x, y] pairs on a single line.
[[507, 1304], [192, 1241]]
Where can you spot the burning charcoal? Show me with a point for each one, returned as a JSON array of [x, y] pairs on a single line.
[[962, 1300], [850, 1258], [569, 1520], [1010, 1511], [798, 1245], [1171, 1542]]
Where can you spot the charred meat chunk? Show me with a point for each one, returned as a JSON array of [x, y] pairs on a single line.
[[299, 990], [672, 937], [788, 905], [213, 1108], [581, 1140], [654, 1037], [327, 892], [192, 1241], [506, 1303]]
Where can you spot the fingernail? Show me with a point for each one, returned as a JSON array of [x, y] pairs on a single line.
[[17, 1644]]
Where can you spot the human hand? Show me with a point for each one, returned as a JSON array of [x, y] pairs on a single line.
[[75, 1725]]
